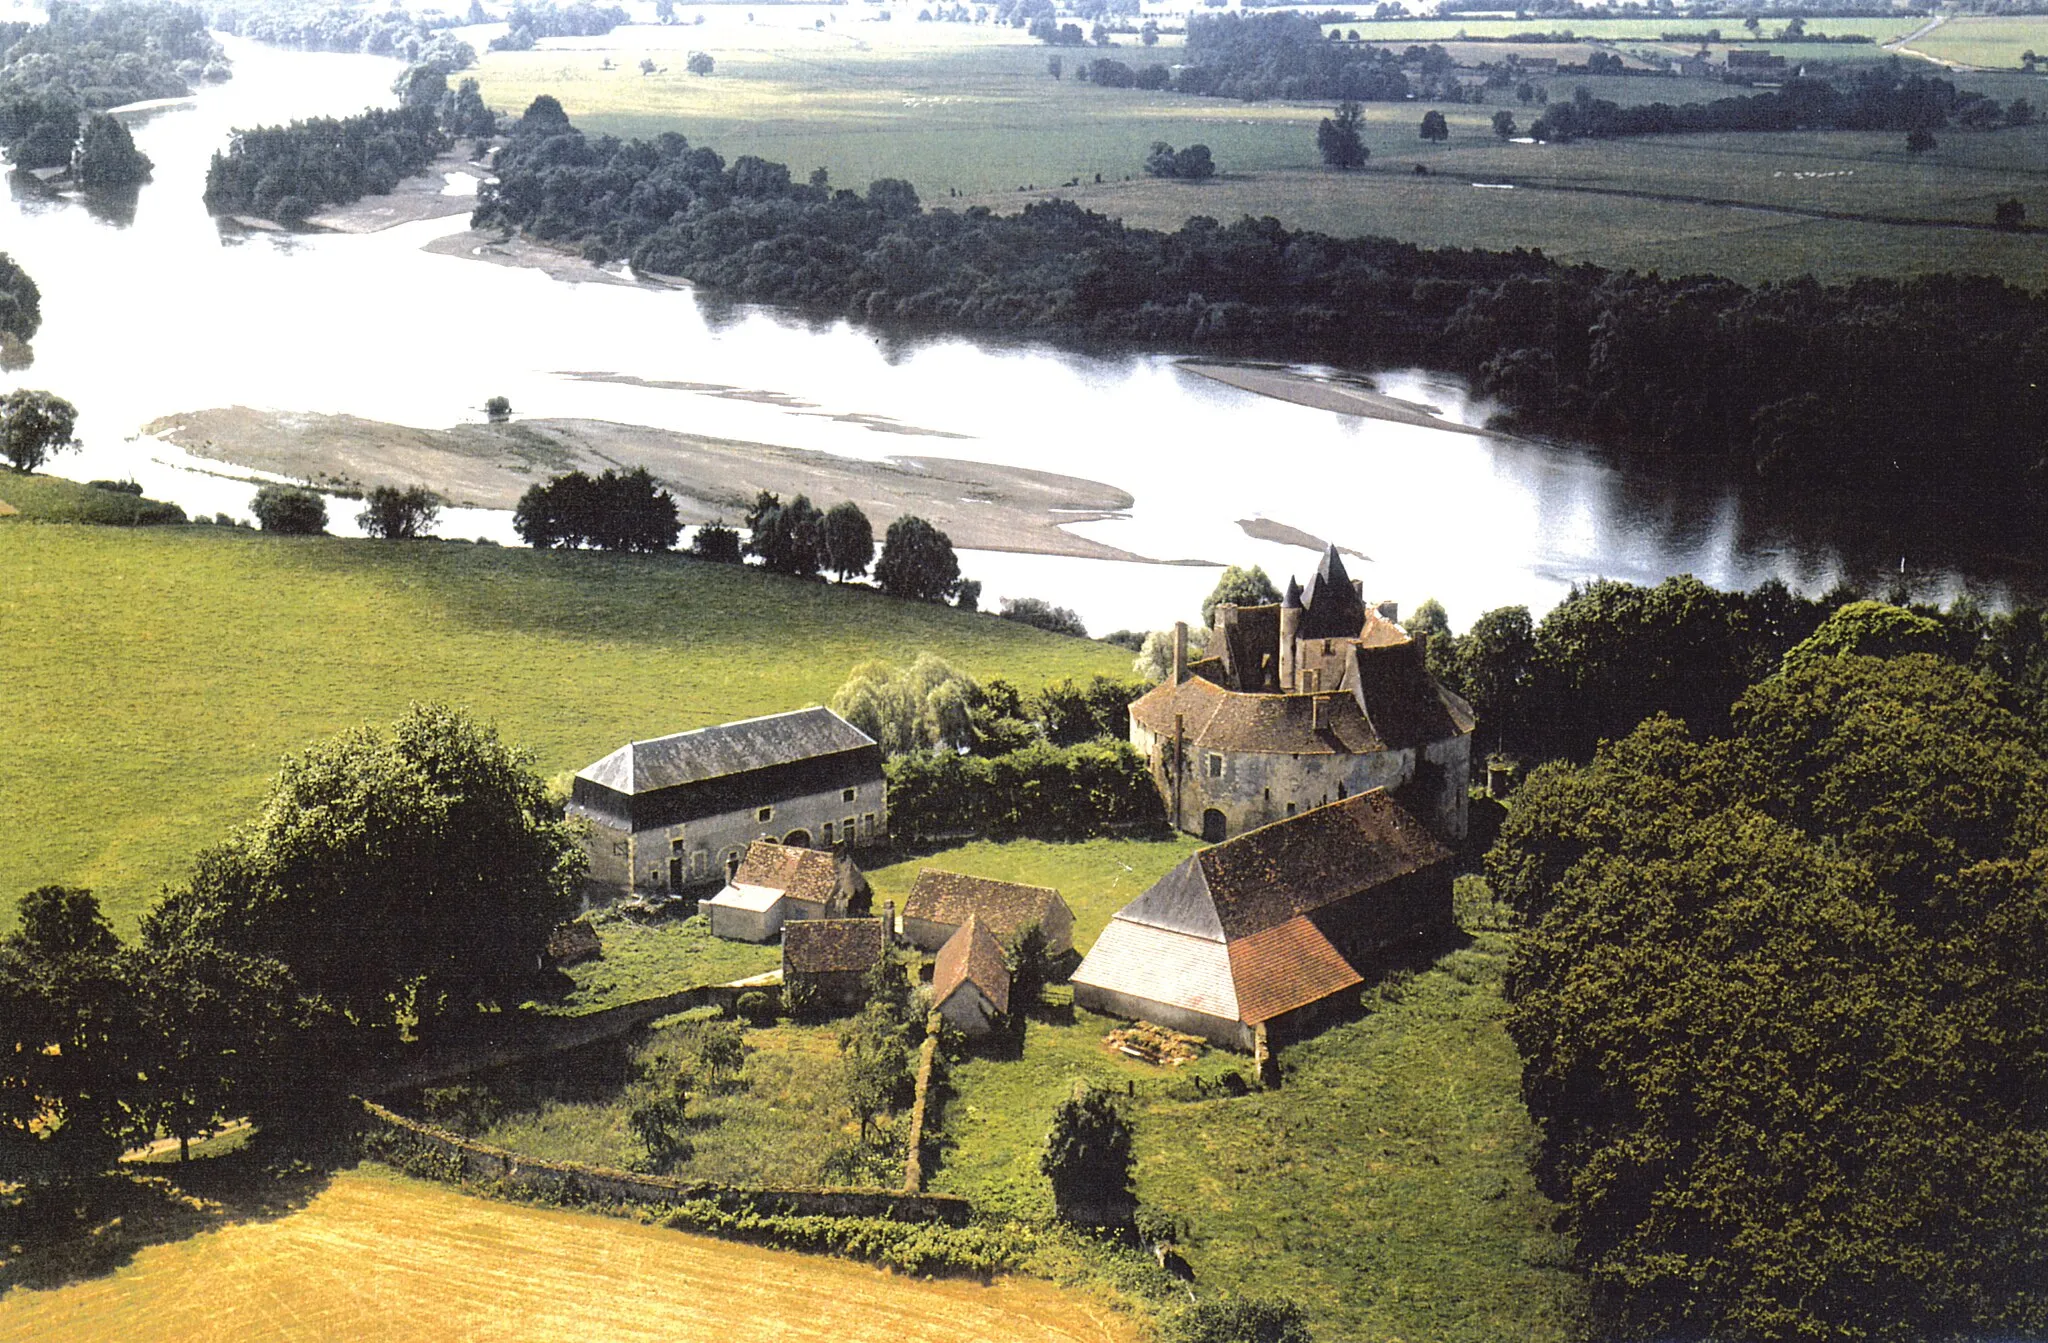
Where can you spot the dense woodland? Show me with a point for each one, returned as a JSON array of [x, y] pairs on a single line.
[[527, 24], [1855, 386], [1780, 997], [1256, 57], [54, 75]]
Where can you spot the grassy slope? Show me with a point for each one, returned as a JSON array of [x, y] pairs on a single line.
[[958, 108], [378, 1256], [648, 960], [156, 677], [55, 499]]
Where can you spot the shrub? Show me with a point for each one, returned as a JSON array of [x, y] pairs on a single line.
[[1240, 1320], [757, 1008], [289, 510], [716, 542], [1041, 614], [498, 408]]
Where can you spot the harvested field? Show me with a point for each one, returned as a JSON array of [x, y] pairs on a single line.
[[377, 1256]]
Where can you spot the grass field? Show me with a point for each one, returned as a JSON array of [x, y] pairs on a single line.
[[376, 1256], [55, 499], [1610, 30], [971, 109], [1996, 42], [156, 676], [1096, 877], [777, 1126], [647, 960]]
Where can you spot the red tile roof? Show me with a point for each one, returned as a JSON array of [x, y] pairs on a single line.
[[801, 874], [1287, 966], [972, 956]]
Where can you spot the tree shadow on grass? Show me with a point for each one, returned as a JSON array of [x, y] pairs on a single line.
[[56, 1235]]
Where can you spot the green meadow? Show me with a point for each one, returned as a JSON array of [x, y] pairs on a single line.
[[1994, 41], [973, 110], [157, 676]]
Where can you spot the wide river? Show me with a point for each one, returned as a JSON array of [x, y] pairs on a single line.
[[162, 313]]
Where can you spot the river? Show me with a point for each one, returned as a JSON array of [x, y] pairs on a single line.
[[163, 313]]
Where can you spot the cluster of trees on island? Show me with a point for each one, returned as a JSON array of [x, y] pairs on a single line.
[[527, 24], [415, 38], [1857, 385]]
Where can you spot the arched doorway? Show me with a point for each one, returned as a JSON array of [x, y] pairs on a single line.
[[1215, 829], [798, 839]]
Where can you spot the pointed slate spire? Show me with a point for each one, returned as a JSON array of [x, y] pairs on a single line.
[[1332, 609], [1292, 601]]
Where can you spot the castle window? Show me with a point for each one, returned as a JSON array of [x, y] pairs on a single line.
[[846, 829], [846, 796], [675, 845], [765, 814], [699, 861], [828, 834], [867, 826], [1214, 761]]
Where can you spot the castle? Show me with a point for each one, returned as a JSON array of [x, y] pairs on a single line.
[[1298, 704]]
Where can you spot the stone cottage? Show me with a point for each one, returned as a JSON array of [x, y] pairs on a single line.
[[776, 884], [1255, 936], [672, 813], [940, 903], [1306, 702], [970, 981], [833, 956]]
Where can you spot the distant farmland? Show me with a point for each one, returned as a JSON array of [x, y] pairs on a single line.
[[379, 1256]]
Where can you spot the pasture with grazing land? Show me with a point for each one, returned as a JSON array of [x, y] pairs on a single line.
[[378, 1256], [972, 109], [169, 670]]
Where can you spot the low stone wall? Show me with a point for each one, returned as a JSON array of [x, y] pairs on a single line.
[[922, 1109], [425, 1150]]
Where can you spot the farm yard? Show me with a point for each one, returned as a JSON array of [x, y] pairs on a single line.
[[237, 648], [375, 1255]]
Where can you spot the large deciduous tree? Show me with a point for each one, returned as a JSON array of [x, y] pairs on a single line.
[[846, 540], [400, 873], [917, 561], [616, 510], [788, 538], [1238, 587], [396, 514], [290, 510], [33, 425], [1784, 1013], [1338, 140], [21, 302]]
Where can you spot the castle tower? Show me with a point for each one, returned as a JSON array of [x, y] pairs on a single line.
[[1331, 607], [1290, 630]]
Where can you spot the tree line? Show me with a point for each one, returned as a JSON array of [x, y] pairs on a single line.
[[1858, 386], [101, 56], [1254, 57], [1779, 989], [1881, 98], [527, 24]]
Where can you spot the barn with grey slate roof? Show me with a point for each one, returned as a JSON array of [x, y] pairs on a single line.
[[670, 813]]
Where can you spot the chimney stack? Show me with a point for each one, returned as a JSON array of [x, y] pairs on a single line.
[[1180, 651], [888, 923]]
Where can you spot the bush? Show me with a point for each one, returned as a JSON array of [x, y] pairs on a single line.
[[498, 408], [716, 542], [1040, 792], [289, 510], [1240, 1320], [757, 1008], [1042, 614]]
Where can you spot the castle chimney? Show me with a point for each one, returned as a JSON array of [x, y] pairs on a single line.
[[888, 923], [1180, 651], [1315, 713], [1180, 738], [1390, 611], [1290, 633]]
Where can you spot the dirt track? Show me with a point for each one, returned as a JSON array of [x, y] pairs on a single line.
[[376, 1257]]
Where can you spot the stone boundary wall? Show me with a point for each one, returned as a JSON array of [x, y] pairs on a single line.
[[921, 1109], [457, 1159]]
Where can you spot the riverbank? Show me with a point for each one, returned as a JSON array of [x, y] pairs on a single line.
[[980, 505]]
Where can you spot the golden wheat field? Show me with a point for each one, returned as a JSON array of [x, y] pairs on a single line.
[[377, 1257]]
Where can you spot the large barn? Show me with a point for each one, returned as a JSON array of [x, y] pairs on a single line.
[[672, 813], [1308, 701], [1252, 936]]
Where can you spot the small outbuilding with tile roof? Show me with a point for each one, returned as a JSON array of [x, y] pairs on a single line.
[[833, 956], [970, 980], [671, 813], [941, 902], [775, 884], [1255, 934]]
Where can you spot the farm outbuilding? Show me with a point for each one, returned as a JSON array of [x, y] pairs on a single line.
[[775, 884], [1254, 935], [941, 902], [672, 813], [970, 981], [833, 956]]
